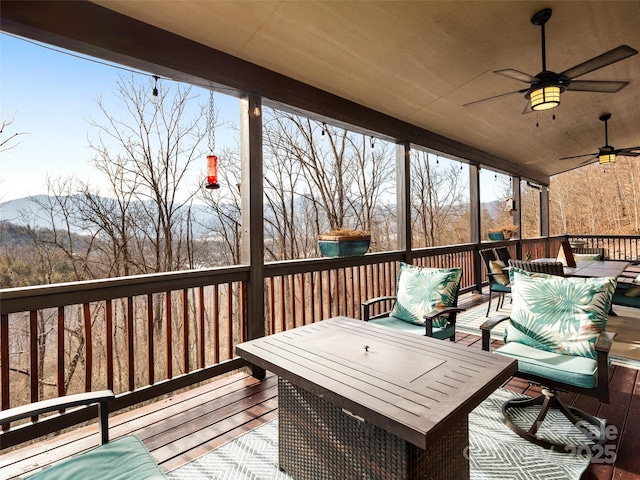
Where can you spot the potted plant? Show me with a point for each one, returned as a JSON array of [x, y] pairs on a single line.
[[504, 232], [509, 230], [344, 242]]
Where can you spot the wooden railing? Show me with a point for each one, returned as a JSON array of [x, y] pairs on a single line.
[[618, 247], [149, 335], [141, 337]]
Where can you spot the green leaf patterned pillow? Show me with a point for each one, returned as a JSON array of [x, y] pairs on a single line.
[[421, 289], [562, 315]]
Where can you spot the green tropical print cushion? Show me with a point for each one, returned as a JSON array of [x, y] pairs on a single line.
[[421, 289], [562, 315]]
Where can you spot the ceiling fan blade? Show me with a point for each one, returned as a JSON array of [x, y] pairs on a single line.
[[607, 58], [496, 96], [517, 75], [602, 86], [588, 162], [629, 152], [527, 108], [578, 156]]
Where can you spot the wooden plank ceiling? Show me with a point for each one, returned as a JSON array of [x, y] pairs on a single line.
[[421, 61]]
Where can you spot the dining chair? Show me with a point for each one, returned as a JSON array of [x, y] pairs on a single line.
[[426, 302], [503, 254], [551, 268], [561, 345], [588, 253], [498, 280]]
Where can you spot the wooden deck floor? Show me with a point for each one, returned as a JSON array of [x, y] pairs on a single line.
[[187, 425]]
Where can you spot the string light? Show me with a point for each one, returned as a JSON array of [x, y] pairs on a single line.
[[373, 145], [154, 96], [324, 127]]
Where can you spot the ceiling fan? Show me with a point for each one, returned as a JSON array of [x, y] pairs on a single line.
[[545, 88], [607, 154]]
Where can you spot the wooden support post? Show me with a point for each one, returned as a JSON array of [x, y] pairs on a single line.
[[403, 199], [252, 240], [474, 222], [544, 217]]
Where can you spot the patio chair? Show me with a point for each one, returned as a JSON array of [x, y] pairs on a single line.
[[503, 254], [588, 253], [551, 268], [426, 302], [498, 280], [560, 345], [121, 459]]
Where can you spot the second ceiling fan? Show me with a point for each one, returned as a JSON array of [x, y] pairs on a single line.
[[545, 88], [607, 154]]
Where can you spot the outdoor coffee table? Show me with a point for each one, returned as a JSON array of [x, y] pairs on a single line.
[[357, 400]]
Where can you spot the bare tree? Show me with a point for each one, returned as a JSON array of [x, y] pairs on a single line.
[[317, 177], [437, 199], [8, 140], [149, 152], [223, 240]]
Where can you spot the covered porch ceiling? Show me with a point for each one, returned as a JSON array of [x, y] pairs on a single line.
[[420, 62]]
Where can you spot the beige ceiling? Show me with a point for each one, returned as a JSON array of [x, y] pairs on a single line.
[[420, 61]]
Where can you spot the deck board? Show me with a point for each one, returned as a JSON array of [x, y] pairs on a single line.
[[185, 426]]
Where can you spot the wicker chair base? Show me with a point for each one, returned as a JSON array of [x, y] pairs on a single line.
[[318, 440]]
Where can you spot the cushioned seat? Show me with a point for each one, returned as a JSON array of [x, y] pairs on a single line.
[[124, 459], [578, 371], [425, 303], [448, 331], [627, 295], [556, 331]]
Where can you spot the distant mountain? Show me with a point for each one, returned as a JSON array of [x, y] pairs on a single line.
[[10, 210], [13, 211]]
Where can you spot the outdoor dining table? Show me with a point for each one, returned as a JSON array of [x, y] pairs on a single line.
[[357, 400], [592, 268]]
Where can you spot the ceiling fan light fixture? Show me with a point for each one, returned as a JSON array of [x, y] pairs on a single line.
[[545, 98], [607, 155]]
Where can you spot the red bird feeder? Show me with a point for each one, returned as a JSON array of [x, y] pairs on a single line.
[[212, 172]]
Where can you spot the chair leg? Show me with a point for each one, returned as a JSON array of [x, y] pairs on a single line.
[[500, 301], [547, 401], [489, 307]]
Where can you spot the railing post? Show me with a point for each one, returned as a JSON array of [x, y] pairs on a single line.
[[403, 199], [252, 240]]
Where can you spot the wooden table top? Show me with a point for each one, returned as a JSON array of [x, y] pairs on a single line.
[[593, 268], [413, 386], [597, 268]]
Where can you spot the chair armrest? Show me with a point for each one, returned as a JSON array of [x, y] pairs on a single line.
[[604, 342], [603, 345], [431, 316], [367, 304], [33, 409], [486, 328], [441, 311]]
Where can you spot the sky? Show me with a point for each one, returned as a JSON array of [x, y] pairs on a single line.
[[51, 95]]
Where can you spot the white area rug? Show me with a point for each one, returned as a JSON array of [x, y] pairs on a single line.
[[496, 453]]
